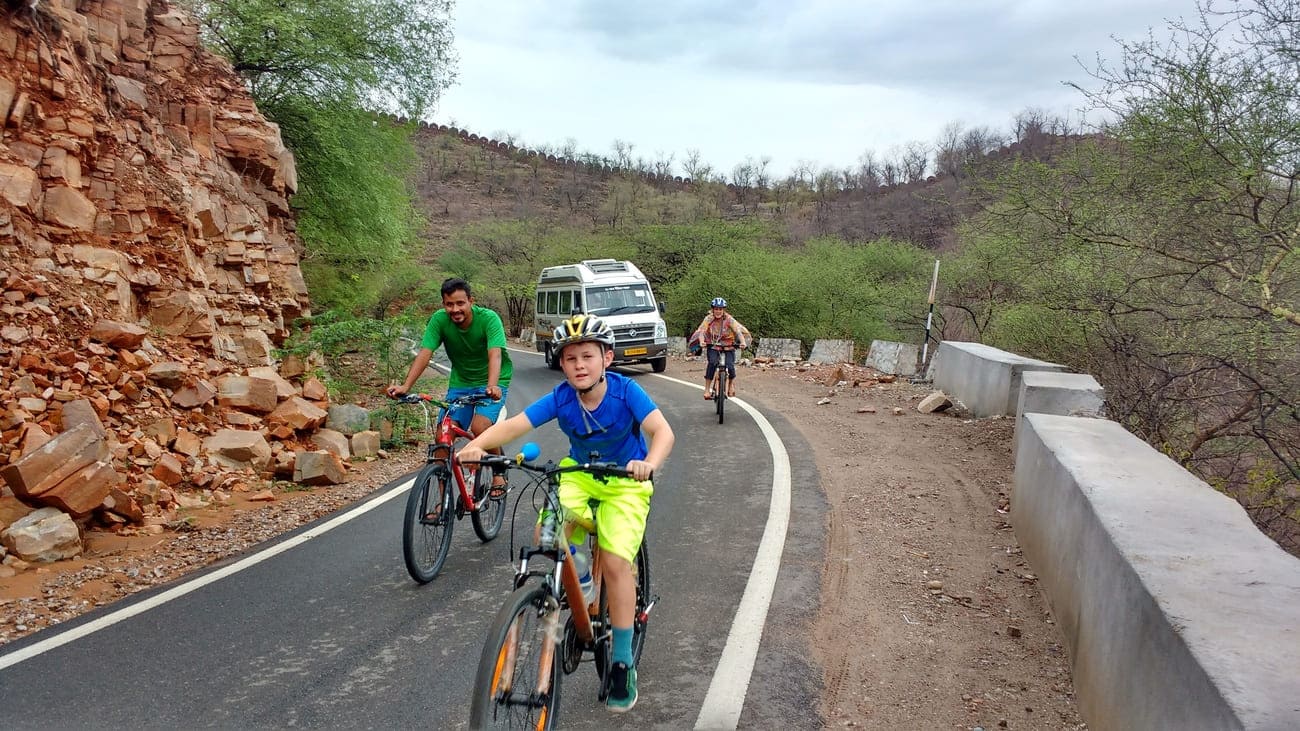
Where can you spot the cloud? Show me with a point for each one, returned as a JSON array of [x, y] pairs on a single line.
[[816, 80], [939, 45]]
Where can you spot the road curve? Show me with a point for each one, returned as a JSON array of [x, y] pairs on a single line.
[[330, 632]]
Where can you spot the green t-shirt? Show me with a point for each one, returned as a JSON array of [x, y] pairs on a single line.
[[468, 349]]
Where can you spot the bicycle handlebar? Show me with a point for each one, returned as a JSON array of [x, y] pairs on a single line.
[[519, 461], [473, 399]]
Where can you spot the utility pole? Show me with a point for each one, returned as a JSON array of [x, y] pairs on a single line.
[[929, 318]]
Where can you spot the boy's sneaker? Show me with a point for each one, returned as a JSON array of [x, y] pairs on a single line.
[[622, 688]]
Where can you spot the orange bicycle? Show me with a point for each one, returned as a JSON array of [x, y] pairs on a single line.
[[530, 645]]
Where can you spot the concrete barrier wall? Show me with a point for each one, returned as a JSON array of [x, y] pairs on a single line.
[[1178, 612], [985, 379], [889, 357], [1063, 394]]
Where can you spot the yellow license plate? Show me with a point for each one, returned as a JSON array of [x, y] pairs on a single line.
[[634, 351]]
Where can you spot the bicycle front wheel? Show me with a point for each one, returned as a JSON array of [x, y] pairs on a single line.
[[517, 684], [720, 398], [426, 531], [487, 515]]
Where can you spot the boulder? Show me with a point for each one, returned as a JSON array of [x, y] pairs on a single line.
[[318, 468], [365, 444], [298, 413], [247, 393], [118, 334], [237, 449], [347, 418], [334, 442], [43, 535]]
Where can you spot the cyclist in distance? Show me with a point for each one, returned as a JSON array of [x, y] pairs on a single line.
[[611, 416], [720, 330], [475, 341]]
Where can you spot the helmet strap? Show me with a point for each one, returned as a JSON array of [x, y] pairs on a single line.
[[587, 390]]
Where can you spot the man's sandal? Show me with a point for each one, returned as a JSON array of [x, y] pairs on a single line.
[[498, 490]]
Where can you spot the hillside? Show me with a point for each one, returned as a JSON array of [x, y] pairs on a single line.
[[465, 177]]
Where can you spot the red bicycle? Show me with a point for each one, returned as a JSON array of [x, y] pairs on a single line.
[[444, 492]]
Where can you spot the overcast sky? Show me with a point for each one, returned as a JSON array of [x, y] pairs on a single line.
[[794, 80]]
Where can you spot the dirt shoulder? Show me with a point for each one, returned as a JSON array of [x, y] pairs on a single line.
[[929, 617]]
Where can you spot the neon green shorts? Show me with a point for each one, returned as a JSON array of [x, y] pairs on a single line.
[[621, 516]]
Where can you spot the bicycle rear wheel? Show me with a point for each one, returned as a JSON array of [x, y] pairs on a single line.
[[426, 530], [487, 515], [604, 650], [517, 684]]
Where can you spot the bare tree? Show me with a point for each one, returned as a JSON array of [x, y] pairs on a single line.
[[623, 154], [949, 153], [915, 161], [761, 177], [869, 173], [692, 164]]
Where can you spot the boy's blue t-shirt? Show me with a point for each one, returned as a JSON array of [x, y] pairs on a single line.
[[612, 429]]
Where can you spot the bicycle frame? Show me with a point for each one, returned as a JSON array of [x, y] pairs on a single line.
[[563, 580], [445, 434]]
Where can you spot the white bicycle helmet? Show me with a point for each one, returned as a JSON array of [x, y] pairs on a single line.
[[582, 329], [718, 302]]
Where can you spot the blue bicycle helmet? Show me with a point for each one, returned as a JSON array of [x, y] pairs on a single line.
[[718, 302]]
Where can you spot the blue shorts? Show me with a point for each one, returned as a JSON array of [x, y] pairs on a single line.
[[490, 409]]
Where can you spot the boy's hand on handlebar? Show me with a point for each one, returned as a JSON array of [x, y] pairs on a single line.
[[395, 391], [640, 469], [494, 392]]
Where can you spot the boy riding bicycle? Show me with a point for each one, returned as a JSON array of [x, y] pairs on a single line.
[[720, 334], [610, 416]]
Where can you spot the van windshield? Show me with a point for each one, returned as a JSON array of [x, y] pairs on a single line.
[[621, 299]]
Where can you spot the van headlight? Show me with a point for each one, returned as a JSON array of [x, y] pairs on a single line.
[[661, 332]]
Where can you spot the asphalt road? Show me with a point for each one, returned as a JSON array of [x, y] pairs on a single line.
[[333, 633]]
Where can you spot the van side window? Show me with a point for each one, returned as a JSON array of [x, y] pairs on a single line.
[[577, 301], [552, 303], [566, 302], [541, 303]]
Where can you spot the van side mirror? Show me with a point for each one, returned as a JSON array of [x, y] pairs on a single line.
[[662, 309]]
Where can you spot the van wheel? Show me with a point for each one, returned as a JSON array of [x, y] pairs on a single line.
[[659, 364], [551, 361]]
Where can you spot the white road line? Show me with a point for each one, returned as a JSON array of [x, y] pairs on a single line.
[[176, 592], [726, 695]]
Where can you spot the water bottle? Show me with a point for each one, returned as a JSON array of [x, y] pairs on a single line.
[[583, 566]]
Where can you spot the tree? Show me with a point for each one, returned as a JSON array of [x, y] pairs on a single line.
[[386, 55], [1163, 255], [321, 69]]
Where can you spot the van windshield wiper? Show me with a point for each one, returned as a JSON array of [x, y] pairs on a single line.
[[628, 308]]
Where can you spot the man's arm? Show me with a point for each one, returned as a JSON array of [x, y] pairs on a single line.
[[493, 389], [413, 375]]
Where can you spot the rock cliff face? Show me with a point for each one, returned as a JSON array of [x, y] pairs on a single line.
[[136, 173], [148, 265]]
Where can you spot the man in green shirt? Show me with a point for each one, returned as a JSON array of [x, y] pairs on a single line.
[[475, 341]]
